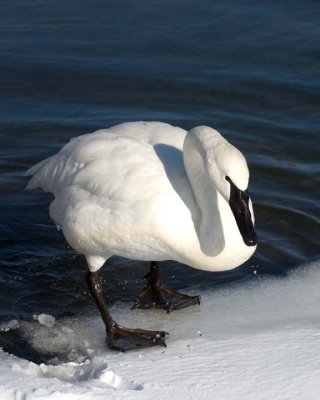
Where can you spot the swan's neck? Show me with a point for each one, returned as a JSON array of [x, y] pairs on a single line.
[[206, 215]]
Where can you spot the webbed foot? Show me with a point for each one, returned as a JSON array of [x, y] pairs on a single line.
[[157, 295], [123, 339]]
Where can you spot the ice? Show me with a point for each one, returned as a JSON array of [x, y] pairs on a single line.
[[74, 371], [254, 340], [45, 319], [7, 326]]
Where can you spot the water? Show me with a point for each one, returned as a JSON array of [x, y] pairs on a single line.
[[250, 69]]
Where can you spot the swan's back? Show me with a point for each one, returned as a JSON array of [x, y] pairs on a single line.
[[91, 152]]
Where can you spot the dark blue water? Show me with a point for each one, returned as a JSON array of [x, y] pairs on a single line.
[[251, 69]]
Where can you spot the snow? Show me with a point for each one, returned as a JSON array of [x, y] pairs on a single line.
[[255, 340]]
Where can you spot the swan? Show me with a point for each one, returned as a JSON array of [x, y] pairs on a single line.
[[150, 191]]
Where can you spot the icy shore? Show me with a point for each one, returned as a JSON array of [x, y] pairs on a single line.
[[257, 340]]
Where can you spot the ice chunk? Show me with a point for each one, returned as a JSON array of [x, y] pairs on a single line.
[[46, 320], [116, 381], [7, 326], [74, 371]]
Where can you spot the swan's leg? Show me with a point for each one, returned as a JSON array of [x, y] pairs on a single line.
[[120, 337], [157, 295]]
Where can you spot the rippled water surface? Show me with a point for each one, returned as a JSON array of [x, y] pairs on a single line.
[[250, 69]]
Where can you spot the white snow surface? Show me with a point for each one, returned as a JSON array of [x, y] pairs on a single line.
[[255, 340]]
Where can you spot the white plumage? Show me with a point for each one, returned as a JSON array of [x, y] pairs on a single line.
[[148, 191]]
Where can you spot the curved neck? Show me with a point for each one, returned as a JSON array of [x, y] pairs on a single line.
[[206, 216]]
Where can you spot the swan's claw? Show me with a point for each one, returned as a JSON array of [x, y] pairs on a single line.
[[123, 339], [159, 296]]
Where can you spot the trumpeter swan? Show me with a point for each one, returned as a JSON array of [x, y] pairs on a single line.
[[150, 191]]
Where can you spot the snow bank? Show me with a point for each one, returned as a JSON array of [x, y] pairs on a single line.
[[258, 340]]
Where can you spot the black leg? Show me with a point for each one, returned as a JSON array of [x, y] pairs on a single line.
[[157, 295], [120, 337]]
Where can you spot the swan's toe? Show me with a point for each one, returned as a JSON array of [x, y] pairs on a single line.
[[123, 339], [160, 296], [180, 303]]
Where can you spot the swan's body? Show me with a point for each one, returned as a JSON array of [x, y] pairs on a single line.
[[148, 191]]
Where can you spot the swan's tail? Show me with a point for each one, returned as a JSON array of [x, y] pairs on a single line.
[[39, 174], [35, 168]]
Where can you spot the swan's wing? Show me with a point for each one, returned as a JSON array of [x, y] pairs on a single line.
[[111, 188], [102, 155]]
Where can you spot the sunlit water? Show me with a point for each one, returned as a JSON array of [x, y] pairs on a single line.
[[250, 70]]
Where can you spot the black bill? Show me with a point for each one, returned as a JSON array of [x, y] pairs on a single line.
[[239, 204]]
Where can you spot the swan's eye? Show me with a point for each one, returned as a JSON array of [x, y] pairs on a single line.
[[228, 179]]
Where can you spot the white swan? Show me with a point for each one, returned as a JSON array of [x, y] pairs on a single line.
[[151, 191]]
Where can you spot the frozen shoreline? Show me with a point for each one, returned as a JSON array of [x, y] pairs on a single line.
[[258, 340]]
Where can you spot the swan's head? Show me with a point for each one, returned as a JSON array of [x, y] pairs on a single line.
[[229, 171]]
